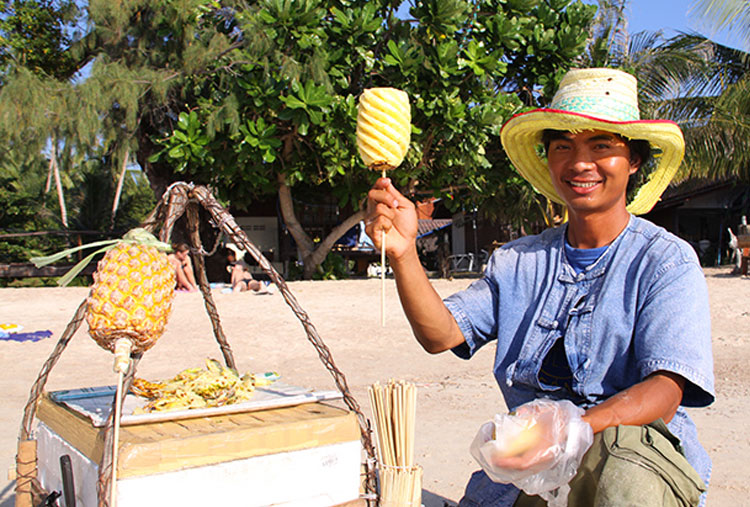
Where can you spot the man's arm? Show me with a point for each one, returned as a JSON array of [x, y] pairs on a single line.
[[431, 321], [658, 396], [390, 212]]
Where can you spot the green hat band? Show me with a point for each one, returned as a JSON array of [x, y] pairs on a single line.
[[607, 108]]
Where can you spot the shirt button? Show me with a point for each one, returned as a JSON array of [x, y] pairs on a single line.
[[509, 382], [555, 323]]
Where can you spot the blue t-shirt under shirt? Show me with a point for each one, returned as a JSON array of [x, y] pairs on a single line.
[[581, 258]]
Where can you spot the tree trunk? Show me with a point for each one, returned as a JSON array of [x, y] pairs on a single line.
[[118, 191], [48, 184], [310, 255], [313, 261], [58, 183], [305, 245]]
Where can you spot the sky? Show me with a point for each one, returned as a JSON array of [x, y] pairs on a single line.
[[669, 16]]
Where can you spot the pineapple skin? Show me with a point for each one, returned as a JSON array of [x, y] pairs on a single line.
[[131, 296], [383, 127]]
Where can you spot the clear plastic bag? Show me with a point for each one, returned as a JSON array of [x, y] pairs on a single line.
[[538, 448]]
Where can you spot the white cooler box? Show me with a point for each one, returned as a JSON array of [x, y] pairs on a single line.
[[306, 455]]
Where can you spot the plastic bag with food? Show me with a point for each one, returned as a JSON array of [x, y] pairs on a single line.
[[537, 448]]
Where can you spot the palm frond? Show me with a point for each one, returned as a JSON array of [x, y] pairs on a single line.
[[608, 36], [718, 147], [715, 16]]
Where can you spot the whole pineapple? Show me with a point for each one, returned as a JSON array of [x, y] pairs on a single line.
[[131, 296]]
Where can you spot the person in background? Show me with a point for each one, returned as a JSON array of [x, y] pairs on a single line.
[[241, 278], [607, 311], [183, 268]]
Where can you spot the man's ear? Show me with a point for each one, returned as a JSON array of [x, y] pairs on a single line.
[[635, 162]]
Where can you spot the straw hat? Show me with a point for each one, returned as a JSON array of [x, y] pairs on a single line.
[[594, 99]]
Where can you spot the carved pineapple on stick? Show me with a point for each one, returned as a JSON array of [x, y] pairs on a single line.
[[383, 136]]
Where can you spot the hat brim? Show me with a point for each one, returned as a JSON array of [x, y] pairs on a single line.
[[522, 135]]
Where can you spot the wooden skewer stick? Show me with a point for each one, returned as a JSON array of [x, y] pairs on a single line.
[[382, 274], [116, 442], [394, 409], [123, 346]]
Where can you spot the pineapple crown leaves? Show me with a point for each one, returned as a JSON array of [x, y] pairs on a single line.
[[137, 236]]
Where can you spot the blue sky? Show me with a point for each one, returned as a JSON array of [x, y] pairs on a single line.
[[668, 16], [653, 15]]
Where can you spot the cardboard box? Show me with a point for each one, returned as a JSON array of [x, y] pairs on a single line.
[[307, 455]]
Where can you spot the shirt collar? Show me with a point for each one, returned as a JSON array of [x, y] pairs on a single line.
[[595, 270]]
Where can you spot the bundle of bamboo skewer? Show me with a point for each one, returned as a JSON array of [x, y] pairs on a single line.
[[394, 408]]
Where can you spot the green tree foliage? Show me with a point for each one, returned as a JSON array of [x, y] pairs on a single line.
[[91, 199], [35, 62], [36, 34], [280, 114], [147, 57], [21, 213], [259, 97], [45, 117]]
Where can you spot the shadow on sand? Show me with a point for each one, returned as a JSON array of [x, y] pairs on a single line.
[[7, 498]]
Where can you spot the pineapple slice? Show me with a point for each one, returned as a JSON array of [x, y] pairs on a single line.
[[214, 386], [529, 434], [131, 296], [383, 127]]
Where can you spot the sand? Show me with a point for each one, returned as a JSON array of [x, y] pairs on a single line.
[[454, 396]]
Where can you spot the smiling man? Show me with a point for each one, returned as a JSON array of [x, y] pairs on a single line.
[[607, 311], [590, 170]]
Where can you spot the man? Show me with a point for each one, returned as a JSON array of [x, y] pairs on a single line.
[[607, 311]]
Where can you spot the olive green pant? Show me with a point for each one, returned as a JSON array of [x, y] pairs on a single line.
[[639, 466]]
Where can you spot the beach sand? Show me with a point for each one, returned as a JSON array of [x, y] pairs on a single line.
[[454, 396]]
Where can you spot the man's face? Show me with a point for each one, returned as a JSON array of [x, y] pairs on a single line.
[[590, 170]]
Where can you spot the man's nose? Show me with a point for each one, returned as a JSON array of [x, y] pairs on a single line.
[[582, 159]]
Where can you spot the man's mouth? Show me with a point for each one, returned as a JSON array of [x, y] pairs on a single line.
[[583, 184]]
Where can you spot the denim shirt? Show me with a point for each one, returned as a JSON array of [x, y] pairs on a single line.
[[641, 307]]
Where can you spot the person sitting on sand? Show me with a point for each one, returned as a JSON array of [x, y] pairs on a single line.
[[183, 267], [607, 311], [242, 279]]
